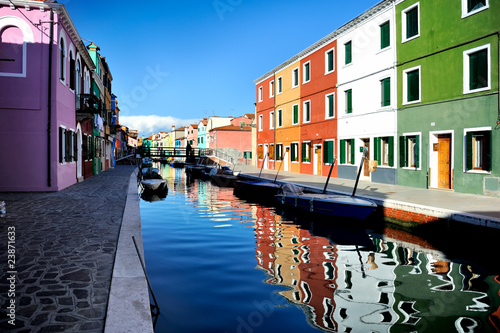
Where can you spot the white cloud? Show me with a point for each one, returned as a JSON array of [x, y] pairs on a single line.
[[146, 125]]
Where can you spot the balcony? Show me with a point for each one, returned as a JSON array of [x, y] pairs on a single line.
[[88, 103]]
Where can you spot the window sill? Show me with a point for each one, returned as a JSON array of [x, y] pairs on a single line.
[[385, 49], [465, 15], [330, 72], [411, 168], [466, 92], [410, 39], [412, 102], [479, 172]]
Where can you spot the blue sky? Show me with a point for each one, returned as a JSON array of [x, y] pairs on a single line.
[[175, 62]]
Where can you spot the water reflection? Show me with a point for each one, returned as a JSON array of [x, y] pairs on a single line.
[[342, 277]]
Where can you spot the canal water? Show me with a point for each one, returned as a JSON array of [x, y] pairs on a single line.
[[218, 263]]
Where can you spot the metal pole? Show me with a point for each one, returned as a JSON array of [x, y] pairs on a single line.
[[146, 275], [262, 167], [330, 173], [365, 152], [282, 158]]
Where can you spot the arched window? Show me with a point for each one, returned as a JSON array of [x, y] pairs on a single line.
[[62, 60], [78, 77], [15, 33], [72, 71]]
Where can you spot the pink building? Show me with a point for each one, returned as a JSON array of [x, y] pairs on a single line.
[[43, 70]]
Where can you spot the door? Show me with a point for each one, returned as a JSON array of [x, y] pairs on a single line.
[[286, 158], [317, 160], [366, 163], [444, 161]]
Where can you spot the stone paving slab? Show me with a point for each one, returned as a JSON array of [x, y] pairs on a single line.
[[65, 245]]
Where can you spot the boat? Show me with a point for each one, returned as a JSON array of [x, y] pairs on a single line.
[[177, 164], [325, 203], [223, 177], [151, 180]]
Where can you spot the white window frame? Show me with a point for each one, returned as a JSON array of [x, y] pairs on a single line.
[[304, 72], [466, 14], [279, 85], [419, 134], [295, 84], [304, 121], [279, 115], [63, 77], [261, 123], [271, 89], [405, 85], [327, 106], [260, 93], [467, 130], [271, 120], [466, 68], [326, 61], [403, 23]]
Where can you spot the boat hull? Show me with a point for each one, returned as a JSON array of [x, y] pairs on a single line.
[[224, 180], [262, 190], [329, 204], [154, 184]]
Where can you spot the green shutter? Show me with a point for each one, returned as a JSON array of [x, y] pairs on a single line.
[[348, 53], [307, 74], [352, 151], [62, 138], [385, 37], [417, 151], [295, 114], [308, 111], [348, 96], [330, 61], [412, 23], [412, 87], [376, 151], [342, 152], [468, 150], [403, 151], [325, 151], [391, 151], [386, 91], [331, 109], [487, 151]]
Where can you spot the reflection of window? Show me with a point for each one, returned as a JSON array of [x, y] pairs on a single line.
[[476, 69], [306, 151], [384, 150], [295, 152], [328, 151], [385, 35], [409, 151], [478, 150], [411, 22], [347, 151], [385, 88]]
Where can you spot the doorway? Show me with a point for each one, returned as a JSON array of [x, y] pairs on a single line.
[[366, 163], [286, 158], [444, 161], [317, 160]]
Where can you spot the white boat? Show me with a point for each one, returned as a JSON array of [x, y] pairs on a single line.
[[154, 184]]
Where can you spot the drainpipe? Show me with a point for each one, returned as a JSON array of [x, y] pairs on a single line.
[[49, 103]]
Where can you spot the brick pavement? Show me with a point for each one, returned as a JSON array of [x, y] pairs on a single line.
[[65, 248]]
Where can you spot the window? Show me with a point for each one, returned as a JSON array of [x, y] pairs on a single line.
[[409, 146], [62, 60], [271, 120], [385, 89], [385, 35], [348, 101], [247, 154], [306, 69], [72, 71], [328, 151], [329, 106], [280, 85], [306, 152], [279, 151], [68, 147], [295, 114], [261, 125], [384, 150], [477, 64], [271, 152], [411, 85], [271, 89], [329, 61], [260, 152], [12, 50], [348, 52], [280, 117], [306, 112], [295, 77], [295, 152], [478, 150], [347, 151], [411, 22], [260, 94], [470, 7]]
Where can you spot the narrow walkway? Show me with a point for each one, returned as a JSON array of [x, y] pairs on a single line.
[[65, 246], [469, 208]]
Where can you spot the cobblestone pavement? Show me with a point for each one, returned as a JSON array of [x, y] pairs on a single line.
[[65, 246]]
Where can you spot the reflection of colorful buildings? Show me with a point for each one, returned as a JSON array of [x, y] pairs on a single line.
[[394, 288]]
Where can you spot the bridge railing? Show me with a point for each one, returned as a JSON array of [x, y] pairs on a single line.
[[158, 152]]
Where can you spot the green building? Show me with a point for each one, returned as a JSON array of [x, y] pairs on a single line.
[[448, 100]]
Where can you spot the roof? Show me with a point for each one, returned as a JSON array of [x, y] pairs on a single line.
[[250, 115], [232, 128], [194, 126]]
